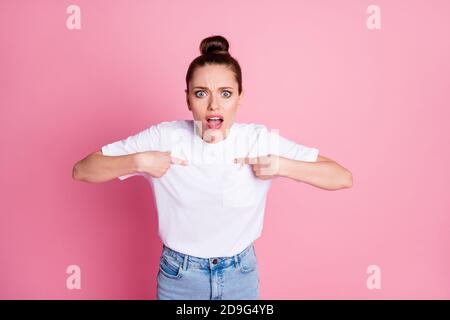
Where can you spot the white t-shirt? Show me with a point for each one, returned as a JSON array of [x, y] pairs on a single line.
[[212, 207]]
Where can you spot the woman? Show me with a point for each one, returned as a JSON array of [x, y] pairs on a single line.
[[210, 177]]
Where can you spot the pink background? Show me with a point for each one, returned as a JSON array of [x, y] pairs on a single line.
[[375, 101]]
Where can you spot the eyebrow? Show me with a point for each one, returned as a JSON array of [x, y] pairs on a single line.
[[208, 89]]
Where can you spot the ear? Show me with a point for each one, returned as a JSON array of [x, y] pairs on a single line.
[[240, 97]]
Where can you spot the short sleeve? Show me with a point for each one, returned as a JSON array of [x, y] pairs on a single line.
[[273, 143], [145, 140], [296, 151]]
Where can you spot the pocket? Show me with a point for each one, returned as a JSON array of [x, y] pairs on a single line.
[[170, 268], [248, 263], [240, 188]]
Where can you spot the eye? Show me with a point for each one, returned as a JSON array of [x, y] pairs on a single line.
[[198, 92], [228, 93]]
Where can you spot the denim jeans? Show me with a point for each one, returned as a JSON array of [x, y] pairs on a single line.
[[185, 277]]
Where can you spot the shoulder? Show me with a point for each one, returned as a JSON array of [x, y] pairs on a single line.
[[171, 125], [250, 129], [165, 128], [170, 132]]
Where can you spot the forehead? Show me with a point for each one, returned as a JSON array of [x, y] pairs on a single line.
[[213, 76]]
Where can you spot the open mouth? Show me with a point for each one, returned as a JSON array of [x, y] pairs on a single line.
[[214, 122]]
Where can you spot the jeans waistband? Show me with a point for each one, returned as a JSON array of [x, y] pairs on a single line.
[[205, 263]]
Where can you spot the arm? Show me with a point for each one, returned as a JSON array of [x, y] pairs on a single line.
[[324, 173], [98, 168], [296, 161]]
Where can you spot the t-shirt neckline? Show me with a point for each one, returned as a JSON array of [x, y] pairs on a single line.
[[209, 144]]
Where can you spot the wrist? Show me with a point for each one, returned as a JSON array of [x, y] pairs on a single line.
[[283, 167], [137, 162]]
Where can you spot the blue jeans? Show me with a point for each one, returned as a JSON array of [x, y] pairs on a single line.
[[185, 277]]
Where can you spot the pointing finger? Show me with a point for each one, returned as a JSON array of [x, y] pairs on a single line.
[[178, 161], [246, 160]]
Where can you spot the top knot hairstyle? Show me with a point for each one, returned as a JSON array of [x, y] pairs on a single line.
[[214, 50]]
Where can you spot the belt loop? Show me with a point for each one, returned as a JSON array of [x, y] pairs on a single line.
[[185, 261], [236, 261]]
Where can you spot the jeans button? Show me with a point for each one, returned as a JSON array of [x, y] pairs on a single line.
[[214, 261]]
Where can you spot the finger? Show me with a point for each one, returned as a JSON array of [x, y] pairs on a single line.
[[240, 160], [175, 160], [263, 163], [265, 160], [246, 160]]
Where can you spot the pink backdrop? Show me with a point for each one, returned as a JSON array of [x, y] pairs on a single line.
[[376, 101]]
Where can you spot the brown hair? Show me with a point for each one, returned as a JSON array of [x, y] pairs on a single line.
[[214, 50]]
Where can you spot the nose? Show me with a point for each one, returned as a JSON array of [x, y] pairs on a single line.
[[213, 105]]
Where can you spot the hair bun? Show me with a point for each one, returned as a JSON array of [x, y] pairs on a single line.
[[214, 45]]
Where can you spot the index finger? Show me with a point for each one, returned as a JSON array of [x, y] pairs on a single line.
[[175, 160], [246, 160]]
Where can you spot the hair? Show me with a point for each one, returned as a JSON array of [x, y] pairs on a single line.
[[214, 50]]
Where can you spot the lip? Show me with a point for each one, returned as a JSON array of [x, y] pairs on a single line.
[[214, 115], [212, 126]]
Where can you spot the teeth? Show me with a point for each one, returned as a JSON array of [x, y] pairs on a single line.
[[215, 118]]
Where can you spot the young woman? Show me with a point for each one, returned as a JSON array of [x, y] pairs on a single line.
[[210, 176]]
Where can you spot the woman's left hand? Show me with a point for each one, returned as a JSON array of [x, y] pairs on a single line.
[[265, 167]]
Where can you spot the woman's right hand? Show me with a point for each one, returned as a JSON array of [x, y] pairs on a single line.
[[156, 163]]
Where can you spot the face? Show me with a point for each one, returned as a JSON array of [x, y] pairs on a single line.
[[213, 99]]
